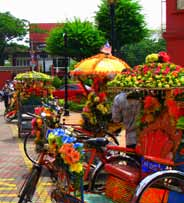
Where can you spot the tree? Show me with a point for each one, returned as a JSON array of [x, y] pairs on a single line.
[[83, 40], [136, 53], [129, 23], [10, 28]]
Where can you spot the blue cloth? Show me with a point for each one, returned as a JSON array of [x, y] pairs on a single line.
[[175, 197]]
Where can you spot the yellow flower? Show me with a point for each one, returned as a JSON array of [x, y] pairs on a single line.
[[93, 120], [77, 167], [96, 99], [90, 95], [100, 107]]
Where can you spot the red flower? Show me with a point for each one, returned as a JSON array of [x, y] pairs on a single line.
[[145, 69], [151, 103], [102, 96], [177, 91], [164, 56], [182, 151], [157, 71], [173, 108], [166, 71]]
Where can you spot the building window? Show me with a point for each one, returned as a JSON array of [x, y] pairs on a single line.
[[180, 4]]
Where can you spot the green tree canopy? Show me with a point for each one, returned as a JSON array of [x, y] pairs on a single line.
[[10, 28], [83, 40], [129, 23], [136, 53]]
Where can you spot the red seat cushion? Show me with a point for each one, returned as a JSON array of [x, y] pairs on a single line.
[[124, 172]]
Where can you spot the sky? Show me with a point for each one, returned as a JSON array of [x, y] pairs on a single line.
[[55, 11]]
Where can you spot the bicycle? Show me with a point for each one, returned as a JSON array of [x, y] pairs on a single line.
[[170, 183], [95, 146]]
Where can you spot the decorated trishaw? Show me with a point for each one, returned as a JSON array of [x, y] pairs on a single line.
[[159, 85], [31, 88]]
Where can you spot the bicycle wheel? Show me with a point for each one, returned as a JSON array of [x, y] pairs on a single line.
[[64, 191], [161, 187], [99, 176], [31, 150], [29, 187]]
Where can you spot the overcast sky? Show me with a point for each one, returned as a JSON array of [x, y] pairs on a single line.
[[53, 11]]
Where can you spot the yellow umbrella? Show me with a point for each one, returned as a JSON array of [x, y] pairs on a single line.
[[33, 75], [99, 65]]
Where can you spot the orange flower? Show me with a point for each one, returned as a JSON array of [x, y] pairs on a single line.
[[66, 148], [149, 118], [75, 156], [37, 133], [68, 159], [39, 122]]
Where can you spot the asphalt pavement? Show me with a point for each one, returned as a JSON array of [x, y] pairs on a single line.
[[14, 165]]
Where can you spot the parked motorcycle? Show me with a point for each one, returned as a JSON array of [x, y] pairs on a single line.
[[10, 105]]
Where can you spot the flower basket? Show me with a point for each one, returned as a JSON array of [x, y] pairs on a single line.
[[69, 156]]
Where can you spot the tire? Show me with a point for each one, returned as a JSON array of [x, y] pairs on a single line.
[[30, 148], [100, 174], [161, 183], [29, 187]]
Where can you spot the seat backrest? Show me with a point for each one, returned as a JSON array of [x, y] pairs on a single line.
[[159, 139]]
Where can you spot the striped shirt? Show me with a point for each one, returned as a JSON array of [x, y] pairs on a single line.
[[126, 111]]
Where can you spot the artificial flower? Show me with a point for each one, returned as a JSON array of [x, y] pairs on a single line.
[[173, 108], [151, 104], [76, 167], [163, 56]]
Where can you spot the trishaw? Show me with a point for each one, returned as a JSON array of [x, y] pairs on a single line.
[[31, 88], [158, 84]]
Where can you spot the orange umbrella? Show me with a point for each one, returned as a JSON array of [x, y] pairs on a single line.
[[99, 65]]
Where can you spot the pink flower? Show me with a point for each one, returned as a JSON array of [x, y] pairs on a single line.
[[166, 71], [86, 109], [157, 71]]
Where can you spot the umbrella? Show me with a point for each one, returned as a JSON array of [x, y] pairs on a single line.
[[99, 65], [33, 75]]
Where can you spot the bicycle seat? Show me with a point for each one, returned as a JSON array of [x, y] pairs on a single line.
[[97, 142]]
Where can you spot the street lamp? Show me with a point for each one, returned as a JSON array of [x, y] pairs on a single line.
[[112, 15], [66, 109]]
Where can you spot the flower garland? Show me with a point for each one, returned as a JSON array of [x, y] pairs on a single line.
[[96, 112], [153, 107]]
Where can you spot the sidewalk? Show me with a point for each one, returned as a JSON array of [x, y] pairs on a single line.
[[14, 166]]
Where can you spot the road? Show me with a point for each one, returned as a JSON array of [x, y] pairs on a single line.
[[14, 165]]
